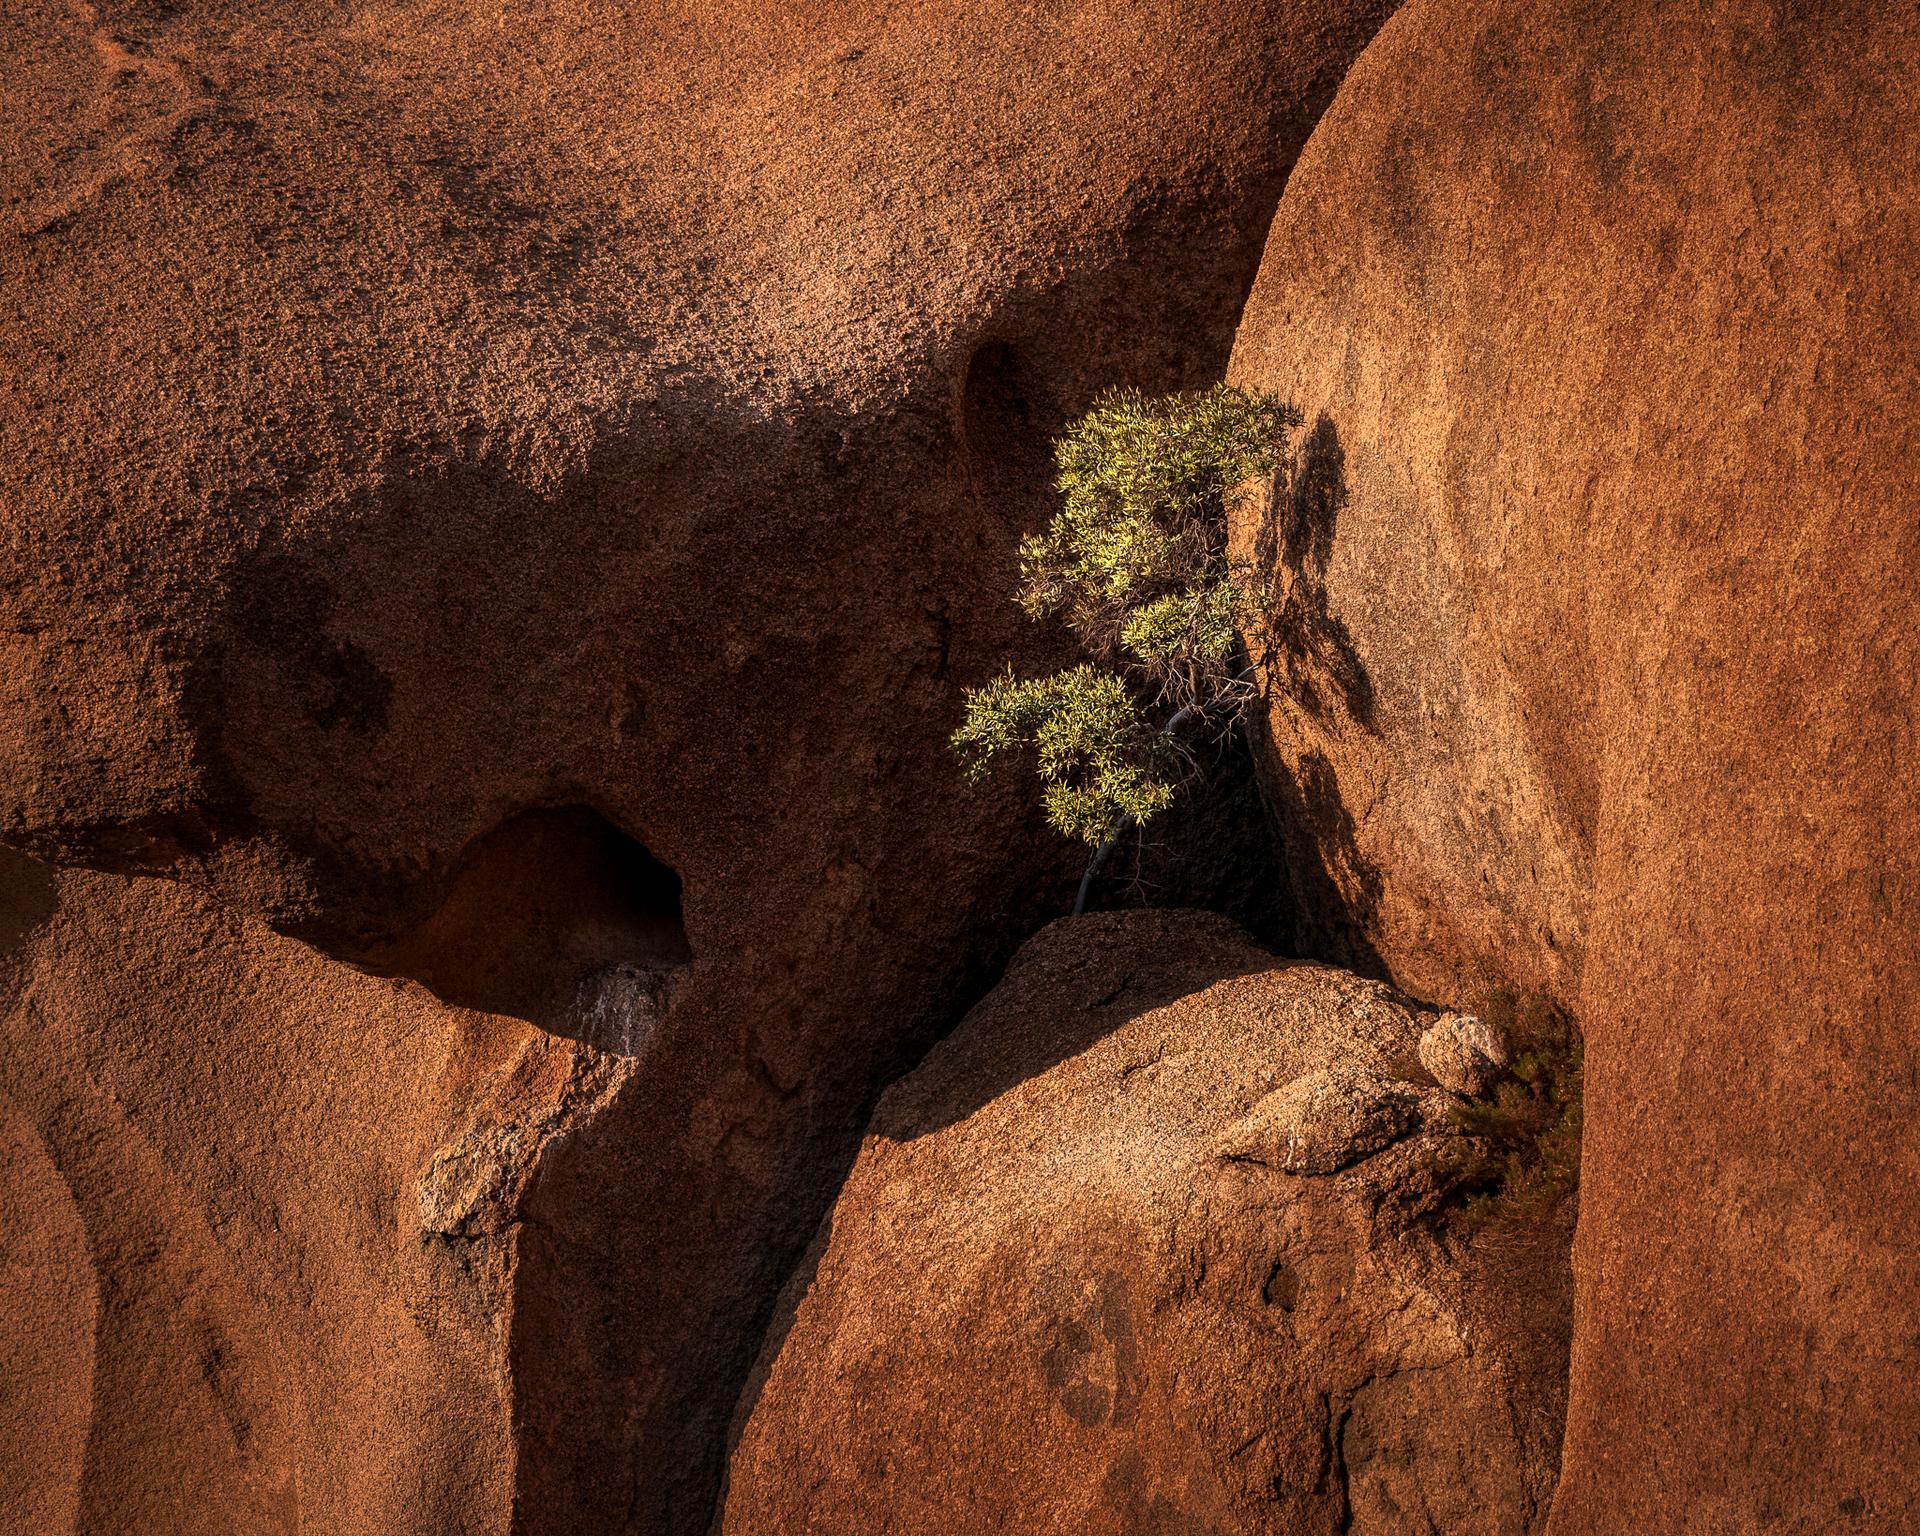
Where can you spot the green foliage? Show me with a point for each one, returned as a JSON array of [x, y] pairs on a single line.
[[1145, 486], [1135, 563], [1098, 755], [1197, 623], [1520, 1152]]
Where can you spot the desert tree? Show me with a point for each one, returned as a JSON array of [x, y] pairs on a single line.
[[1136, 563]]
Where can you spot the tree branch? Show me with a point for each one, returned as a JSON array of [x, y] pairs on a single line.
[[1123, 823]]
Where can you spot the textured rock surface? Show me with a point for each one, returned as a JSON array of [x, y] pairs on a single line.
[[411, 417], [1322, 1121], [214, 1275], [1056, 1294], [1603, 321], [1464, 1052]]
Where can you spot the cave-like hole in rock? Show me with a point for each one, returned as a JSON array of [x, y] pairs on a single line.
[[560, 918]]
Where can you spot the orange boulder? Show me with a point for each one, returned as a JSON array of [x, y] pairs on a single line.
[[1601, 564], [1081, 1279]]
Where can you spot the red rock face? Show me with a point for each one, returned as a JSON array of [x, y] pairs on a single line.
[[1607, 675], [411, 422], [1143, 1246], [229, 1286]]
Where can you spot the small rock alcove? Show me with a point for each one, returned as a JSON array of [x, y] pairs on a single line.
[[560, 918]]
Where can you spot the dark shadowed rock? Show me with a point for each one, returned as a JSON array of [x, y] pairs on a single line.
[[1064, 1290]]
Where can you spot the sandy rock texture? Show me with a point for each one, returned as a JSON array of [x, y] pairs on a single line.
[[507, 496], [1603, 552], [1069, 1287], [1465, 1053], [222, 1312]]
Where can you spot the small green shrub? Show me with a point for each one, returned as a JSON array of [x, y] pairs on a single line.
[[1135, 563], [1097, 756], [1519, 1153]]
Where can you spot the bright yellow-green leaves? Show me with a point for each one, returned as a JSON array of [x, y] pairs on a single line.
[[1099, 757], [1197, 623], [1135, 563], [1143, 483]]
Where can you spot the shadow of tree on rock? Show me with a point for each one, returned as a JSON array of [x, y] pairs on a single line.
[[1313, 651], [1316, 671], [1336, 888]]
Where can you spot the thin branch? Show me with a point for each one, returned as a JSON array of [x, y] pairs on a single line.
[[1122, 823]]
